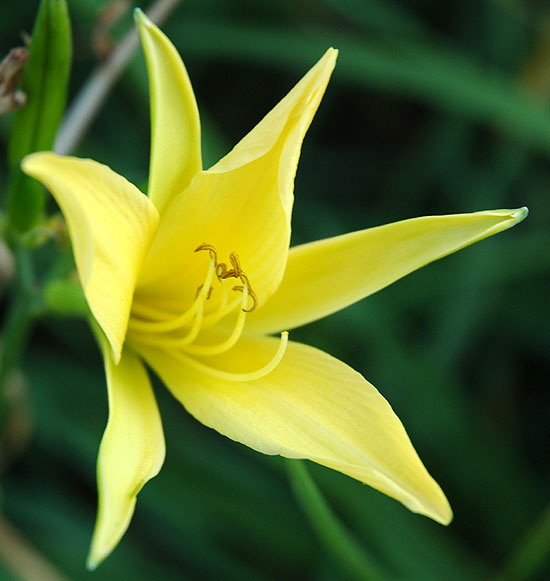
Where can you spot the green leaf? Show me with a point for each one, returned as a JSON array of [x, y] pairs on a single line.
[[45, 80]]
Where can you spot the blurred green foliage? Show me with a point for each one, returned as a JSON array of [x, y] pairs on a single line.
[[433, 108]]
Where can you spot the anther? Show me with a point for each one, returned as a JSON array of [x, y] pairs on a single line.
[[237, 270], [223, 273], [210, 249], [251, 293]]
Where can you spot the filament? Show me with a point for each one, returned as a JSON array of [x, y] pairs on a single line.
[[239, 377], [160, 328], [174, 323], [227, 343]]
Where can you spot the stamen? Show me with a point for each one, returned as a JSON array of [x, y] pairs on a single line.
[[229, 376], [225, 296], [211, 250], [145, 311], [156, 326], [172, 331], [227, 343], [252, 294], [222, 272], [209, 294], [193, 331], [171, 341], [212, 318]]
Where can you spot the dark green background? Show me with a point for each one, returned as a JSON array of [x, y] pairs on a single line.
[[434, 108]]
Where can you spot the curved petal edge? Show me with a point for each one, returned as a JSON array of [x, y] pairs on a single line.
[[131, 453], [175, 124], [312, 406], [111, 224]]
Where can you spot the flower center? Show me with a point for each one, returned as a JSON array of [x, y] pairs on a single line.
[[180, 333]]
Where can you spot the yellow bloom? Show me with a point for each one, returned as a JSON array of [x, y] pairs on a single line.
[[192, 279]]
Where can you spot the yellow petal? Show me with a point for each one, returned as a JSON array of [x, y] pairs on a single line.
[[111, 224], [132, 451], [325, 276], [311, 406], [175, 139], [243, 204]]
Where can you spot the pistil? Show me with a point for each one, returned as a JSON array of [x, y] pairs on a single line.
[[238, 377]]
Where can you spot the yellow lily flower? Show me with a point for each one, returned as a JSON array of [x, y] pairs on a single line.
[[192, 279]]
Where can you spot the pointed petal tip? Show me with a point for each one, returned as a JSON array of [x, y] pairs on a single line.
[[444, 516], [520, 214], [328, 60], [511, 217], [140, 17], [441, 518], [92, 562], [448, 518], [96, 556], [433, 505], [143, 22]]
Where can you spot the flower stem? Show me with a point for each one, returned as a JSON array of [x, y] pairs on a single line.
[[338, 541], [18, 320]]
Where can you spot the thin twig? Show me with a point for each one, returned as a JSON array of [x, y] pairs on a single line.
[[23, 559], [86, 105]]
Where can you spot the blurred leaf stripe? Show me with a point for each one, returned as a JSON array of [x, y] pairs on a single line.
[[436, 75]]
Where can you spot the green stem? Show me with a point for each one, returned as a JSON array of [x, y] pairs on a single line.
[[330, 530], [19, 318]]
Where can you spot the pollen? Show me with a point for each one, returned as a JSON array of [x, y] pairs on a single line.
[[223, 272]]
